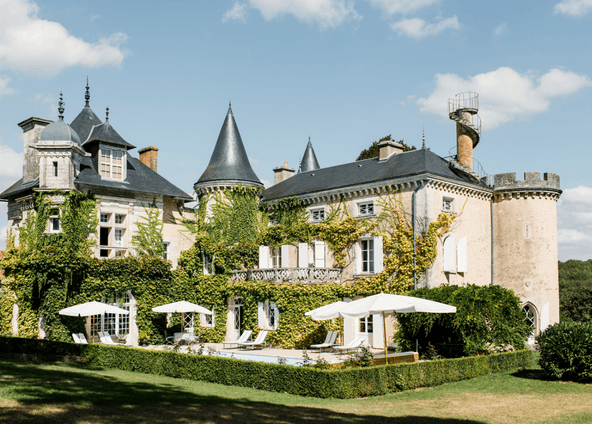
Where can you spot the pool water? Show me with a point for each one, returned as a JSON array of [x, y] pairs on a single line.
[[296, 362]]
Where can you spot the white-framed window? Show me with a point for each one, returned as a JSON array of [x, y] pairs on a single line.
[[447, 204], [208, 320], [530, 315], [369, 255], [208, 265], [268, 315], [54, 221], [120, 253], [119, 219], [111, 165], [276, 256], [366, 325], [366, 209], [105, 217], [115, 324], [317, 215], [55, 169], [118, 236]]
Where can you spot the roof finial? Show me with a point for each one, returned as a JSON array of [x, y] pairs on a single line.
[[423, 138], [61, 105], [107, 118], [87, 94]]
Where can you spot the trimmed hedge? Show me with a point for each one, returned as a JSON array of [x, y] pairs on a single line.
[[303, 381]]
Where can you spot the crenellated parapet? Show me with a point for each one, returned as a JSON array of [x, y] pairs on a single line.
[[506, 186]]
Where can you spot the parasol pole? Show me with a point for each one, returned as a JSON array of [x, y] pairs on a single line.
[[384, 334]]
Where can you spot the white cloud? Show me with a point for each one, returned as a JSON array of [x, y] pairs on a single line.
[[504, 94], [266, 183], [3, 234], [254, 161], [573, 7], [238, 12], [180, 165], [574, 222], [4, 89], [12, 166], [325, 13], [401, 6], [418, 28], [500, 29], [44, 48]]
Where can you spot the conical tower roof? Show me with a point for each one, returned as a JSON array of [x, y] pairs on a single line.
[[229, 164], [309, 160], [86, 119]]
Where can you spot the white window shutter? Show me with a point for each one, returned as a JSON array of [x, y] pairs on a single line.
[[261, 315], [358, 257], [461, 255], [277, 315], [263, 257], [285, 252], [378, 256], [319, 254], [303, 255], [377, 333], [450, 253]]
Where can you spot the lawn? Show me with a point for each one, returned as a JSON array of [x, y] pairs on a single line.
[[69, 393]]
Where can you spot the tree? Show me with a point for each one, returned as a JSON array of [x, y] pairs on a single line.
[[575, 290], [373, 151], [148, 240]]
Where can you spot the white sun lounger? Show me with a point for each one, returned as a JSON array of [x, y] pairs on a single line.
[[353, 345], [258, 343], [235, 343], [328, 343], [76, 338], [82, 338], [106, 339]]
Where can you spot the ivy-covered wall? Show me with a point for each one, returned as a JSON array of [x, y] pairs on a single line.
[[48, 272]]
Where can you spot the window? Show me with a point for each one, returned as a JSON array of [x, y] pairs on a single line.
[[112, 163], [367, 325], [447, 204], [105, 217], [55, 169], [120, 253], [119, 219], [318, 215], [530, 316], [114, 324], [276, 257], [54, 221], [367, 247], [188, 323], [268, 315], [455, 255], [209, 320], [118, 236], [365, 209], [208, 265]]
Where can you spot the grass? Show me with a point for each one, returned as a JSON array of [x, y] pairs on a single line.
[[69, 393]]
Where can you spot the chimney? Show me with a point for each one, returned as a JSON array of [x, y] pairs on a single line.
[[32, 128], [389, 147], [464, 142], [282, 173], [149, 156]]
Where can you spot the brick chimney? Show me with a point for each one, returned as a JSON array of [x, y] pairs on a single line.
[[32, 128], [388, 148], [282, 173], [149, 156]]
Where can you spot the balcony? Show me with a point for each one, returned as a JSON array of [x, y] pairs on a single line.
[[289, 275]]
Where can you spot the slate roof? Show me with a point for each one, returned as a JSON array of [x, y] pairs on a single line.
[[106, 133], [59, 131], [140, 178], [84, 122], [309, 160], [18, 188], [349, 175], [229, 161]]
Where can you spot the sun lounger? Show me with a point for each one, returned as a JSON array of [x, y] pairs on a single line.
[[82, 338], [76, 338], [258, 343], [328, 343], [106, 339], [353, 345], [235, 343]]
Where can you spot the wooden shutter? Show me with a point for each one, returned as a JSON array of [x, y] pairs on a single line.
[[319, 254], [378, 256], [285, 255], [450, 253], [261, 315], [461, 255], [263, 257], [303, 255]]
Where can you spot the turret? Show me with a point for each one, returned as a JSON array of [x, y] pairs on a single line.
[[525, 242], [463, 110]]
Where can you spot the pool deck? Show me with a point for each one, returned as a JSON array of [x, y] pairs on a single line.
[[314, 355]]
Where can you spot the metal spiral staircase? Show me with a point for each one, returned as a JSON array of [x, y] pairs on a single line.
[[463, 110]]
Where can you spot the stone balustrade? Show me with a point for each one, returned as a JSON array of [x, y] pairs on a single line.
[[289, 275]]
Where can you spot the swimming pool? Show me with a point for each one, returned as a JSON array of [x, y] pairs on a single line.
[[296, 362]]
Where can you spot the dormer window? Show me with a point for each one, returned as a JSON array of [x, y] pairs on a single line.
[[318, 215], [112, 161]]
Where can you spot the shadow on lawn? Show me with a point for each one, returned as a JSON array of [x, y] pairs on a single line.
[[63, 396], [534, 374]]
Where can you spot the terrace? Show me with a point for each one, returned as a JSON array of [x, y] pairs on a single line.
[[295, 275]]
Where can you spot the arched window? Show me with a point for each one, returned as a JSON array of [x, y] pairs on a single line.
[[530, 315]]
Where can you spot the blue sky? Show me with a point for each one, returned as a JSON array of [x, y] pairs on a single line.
[[345, 73]]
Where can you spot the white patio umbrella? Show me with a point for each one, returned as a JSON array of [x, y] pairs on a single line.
[[91, 309], [381, 303], [182, 306], [329, 311]]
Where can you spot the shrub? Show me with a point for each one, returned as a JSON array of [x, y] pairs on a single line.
[[566, 350], [486, 317]]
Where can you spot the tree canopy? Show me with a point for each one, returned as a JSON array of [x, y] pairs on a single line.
[[373, 150], [575, 290]]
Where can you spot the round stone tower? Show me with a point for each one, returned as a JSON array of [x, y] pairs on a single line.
[[525, 243]]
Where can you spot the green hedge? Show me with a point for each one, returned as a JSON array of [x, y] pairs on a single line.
[[303, 381]]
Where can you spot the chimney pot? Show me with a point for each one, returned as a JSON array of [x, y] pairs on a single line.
[[282, 173]]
